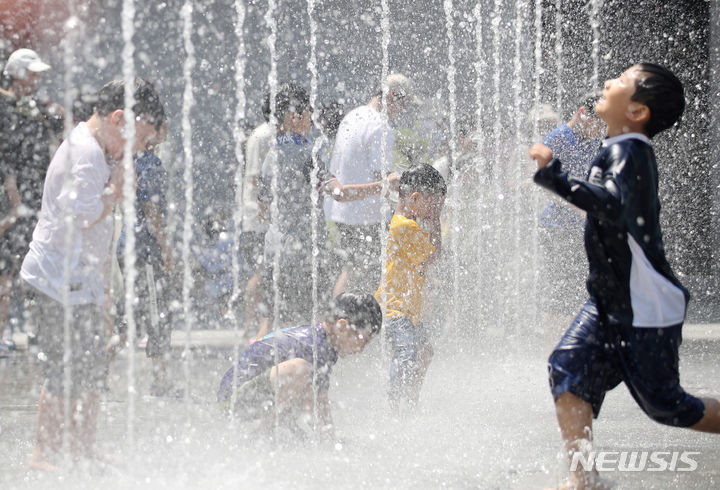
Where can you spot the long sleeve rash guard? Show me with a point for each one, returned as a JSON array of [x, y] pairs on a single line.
[[629, 278]]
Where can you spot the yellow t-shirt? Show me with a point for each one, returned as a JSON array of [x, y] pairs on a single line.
[[408, 248]]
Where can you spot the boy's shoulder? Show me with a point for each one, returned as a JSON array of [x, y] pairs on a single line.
[[619, 150]]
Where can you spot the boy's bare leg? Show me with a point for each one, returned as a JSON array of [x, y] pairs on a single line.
[[253, 298], [294, 382], [49, 432], [418, 371], [84, 425], [711, 420], [574, 416]]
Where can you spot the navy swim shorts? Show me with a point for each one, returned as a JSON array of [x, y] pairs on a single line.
[[596, 355]]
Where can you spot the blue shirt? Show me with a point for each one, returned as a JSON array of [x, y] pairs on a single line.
[[293, 163], [292, 343], [152, 184], [577, 155]]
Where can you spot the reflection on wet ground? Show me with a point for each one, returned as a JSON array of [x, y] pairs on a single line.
[[486, 421]]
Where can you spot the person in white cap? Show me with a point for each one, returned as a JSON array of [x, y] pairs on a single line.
[[358, 159], [24, 157]]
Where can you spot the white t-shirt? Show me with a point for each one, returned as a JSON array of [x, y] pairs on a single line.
[[256, 149], [357, 159], [77, 200]]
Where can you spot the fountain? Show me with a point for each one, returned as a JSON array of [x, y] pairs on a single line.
[[486, 418]]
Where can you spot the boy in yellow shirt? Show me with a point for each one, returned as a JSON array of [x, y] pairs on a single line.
[[414, 242]]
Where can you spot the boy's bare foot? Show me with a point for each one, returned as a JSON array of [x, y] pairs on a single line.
[[586, 481], [38, 464]]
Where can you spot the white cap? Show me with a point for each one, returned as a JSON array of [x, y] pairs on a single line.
[[22, 61]]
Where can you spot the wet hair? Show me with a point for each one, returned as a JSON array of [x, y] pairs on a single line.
[[266, 106], [111, 97], [290, 97], [662, 92], [332, 114], [361, 311], [83, 107], [424, 179]]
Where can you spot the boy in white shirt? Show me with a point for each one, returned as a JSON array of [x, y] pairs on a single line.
[[64, 266]]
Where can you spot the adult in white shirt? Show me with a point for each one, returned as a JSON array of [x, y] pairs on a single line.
[[64, 266], [364, 141]]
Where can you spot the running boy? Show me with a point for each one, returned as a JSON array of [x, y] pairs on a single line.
[[630, 328], [353, 320], [64, 266], [414, 242]]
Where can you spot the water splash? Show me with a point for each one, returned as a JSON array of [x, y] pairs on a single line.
[[315, 197], [559, 56], [129, 212], [274, 210], [239, 211], [385, 206], [455, 230], [186, 14], [594, 15], [480, 67], [72, 32]]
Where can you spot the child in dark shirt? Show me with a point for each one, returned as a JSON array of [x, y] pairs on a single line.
[[285, 368], [630, 328]]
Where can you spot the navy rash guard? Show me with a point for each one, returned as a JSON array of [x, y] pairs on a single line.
[[291, 343], [629, 277]]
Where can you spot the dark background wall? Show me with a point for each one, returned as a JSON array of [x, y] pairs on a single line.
[[675, 33]]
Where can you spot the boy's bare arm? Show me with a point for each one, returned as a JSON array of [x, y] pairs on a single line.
[[356, 192], [112, 193], [156, 226]]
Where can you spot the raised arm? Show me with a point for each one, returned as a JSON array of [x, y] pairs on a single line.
[[602, 196], [356, 192]]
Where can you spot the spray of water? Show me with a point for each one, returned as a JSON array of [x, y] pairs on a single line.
[[128, 30], [595, 7], [385, 166], [274, 210], [559, 56], [315, 197], [188, 102], [536, 137], [72, 29], [480, 67], [516, 168], [455, 232], [238, 210]]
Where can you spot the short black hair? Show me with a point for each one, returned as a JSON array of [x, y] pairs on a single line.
[[290, 97], [362, 311], [424, 179], [266, 106], [332, 113], [662, 92], [111, 97]]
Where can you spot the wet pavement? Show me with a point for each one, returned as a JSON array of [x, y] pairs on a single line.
[[486, 421]]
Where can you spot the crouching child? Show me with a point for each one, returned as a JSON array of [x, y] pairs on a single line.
[[277, 375]]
